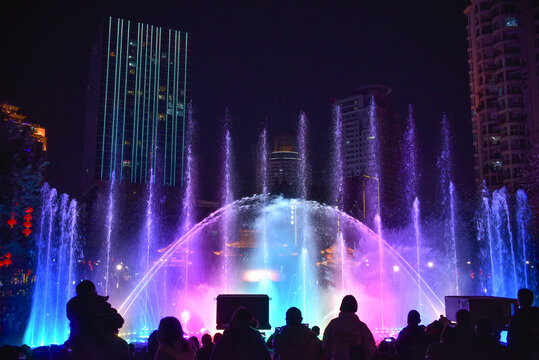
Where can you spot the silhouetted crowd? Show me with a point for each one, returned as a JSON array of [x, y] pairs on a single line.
[[95, 324]]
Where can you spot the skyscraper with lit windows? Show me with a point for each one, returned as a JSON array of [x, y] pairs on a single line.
[[503, 60], [137, 98]]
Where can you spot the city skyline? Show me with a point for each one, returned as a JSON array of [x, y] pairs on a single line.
[[266, 75]]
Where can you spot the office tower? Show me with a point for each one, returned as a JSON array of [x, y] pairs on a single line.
[[283, 165], [503, 52], [137, 95], [369, 155]]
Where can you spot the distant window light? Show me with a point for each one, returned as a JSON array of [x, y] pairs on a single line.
[[511, 22], [112, 53]]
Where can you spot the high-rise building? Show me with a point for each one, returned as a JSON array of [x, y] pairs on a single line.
[[503, 53], [137, 98], [369, 154], [283, 165]]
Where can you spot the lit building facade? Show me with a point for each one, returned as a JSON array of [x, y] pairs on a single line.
[[503, 52], [370, 155], [283, 165], [11, 113], [137, 98]]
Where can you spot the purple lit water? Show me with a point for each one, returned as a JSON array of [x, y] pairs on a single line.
[[188, 200], [448, 199], [337, 174], [299, 252], [523, 216], [227, 196], [109, 225]]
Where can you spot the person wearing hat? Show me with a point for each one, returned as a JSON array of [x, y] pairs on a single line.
[[346, 331]]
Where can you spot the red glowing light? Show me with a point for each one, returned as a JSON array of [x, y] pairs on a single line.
[[27, 217], [28, 210], [27, 224], [26, 232], [5, 260], [11, 222]]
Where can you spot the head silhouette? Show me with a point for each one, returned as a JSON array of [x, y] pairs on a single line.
[[217, 337], [463, 318], [316, 330], [348, 304], [206, 340], [293, 316], [86, 288], [241, 318], [170, 330], [414, 318], [525, 298]]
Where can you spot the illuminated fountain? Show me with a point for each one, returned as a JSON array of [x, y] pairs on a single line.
[[282, 276], [299, 252], [57, 254]]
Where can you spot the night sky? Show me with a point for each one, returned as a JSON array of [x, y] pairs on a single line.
[[265, 60]]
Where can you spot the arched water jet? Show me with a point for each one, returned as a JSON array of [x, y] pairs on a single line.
[[284, 271]]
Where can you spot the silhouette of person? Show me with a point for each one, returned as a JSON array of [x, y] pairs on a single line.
[[347, 330], [295, 341], [465, 334], [523, 331], [94, 326], [217, 337], [172, 345], [153, 345], [204, 352], [412, 343], [488, 345], [194, 341], [447, 348], [240, 341]]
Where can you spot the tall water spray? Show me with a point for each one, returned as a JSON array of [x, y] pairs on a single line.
[[337, 173], [302, 153], [337, 183], [188, 201], [523, 216], [306, 249], [263, 186], [448, 196], [57, 251], [409, 159], [374, 174], [108, 229], [409, 152], [227, 195], [506, 245]]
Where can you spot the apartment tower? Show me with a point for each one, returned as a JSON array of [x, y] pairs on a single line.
[[503, 51]]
